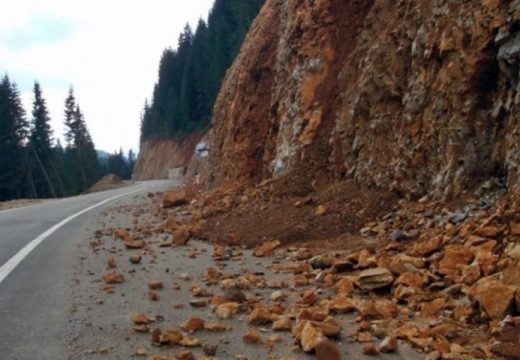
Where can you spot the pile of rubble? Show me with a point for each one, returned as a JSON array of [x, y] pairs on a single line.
[[448, 282]]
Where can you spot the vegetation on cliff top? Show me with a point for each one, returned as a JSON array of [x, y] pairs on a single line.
[[190, 76]]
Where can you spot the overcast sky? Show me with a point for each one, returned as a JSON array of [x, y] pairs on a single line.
[[108, 50]]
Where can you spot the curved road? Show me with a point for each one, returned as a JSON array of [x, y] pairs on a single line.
[[37, 245]]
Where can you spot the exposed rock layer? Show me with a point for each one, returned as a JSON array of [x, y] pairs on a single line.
[[411, 96], [156, 157]]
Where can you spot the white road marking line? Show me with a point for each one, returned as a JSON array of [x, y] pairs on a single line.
[[12, 263]]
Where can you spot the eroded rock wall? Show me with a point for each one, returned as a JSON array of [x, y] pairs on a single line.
[[157, 157], [414, 96]]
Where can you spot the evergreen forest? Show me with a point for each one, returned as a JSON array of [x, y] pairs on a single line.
[[190, 76], [35, 165]]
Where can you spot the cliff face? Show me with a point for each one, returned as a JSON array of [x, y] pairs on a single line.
[[156, 157], [416, 96]]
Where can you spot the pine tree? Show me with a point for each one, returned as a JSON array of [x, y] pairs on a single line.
[[70, 108], [189, 77], [39, 147], [13, 134], [80, 154]]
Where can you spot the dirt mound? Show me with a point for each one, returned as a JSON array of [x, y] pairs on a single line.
[[107, 182]]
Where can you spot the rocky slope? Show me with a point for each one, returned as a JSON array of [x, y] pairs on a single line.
[[156, 157], [416, 97]]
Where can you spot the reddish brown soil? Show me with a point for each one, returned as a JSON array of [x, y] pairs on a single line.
[[286, 210]]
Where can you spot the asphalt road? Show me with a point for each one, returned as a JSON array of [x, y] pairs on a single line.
[[35, 294]]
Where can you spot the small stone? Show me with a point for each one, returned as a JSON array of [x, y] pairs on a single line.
[[141, 328], [278, 296], [320, 210], [327, 350], [342, 304], [235, 295], [494, 297], [399, 235], [210, 349], [216, 326], [185, 355], [198, 303], [370, 349], [252, 337], [153, 296], [260, 316], [344, 286], [266, 248], [155, 285], [282, 324], [140, 319], [141, 352], [310, 337], [135, 244], [226, 310], [113, 278], [321, 262], [111, 262], [174, 198], [488, 231], [193, 324], [135, 259], [388, 345], [375, 278]]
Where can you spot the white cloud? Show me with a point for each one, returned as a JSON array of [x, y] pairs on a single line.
[[111, 58]]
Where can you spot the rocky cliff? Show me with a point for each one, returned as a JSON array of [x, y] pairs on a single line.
[[413, 96], [158, 156]]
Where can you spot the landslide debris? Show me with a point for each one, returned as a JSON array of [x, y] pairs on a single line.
[[107, 182], [449, 288]]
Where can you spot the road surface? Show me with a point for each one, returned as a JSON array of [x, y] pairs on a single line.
[[35, 294]]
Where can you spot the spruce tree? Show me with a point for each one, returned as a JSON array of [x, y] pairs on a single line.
[[39, 148], [13, 133]]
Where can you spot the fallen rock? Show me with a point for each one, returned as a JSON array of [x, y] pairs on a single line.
[[455, 258], [185, 355], [370, 349], [322, 261], [140, 319], [495, 297], [388, 345], [342, 304], [216, 326], [123, 234], [226, 310], [266, 248], [320, 210], [376, 278], [135, 259], [135, 244], [174, 198], [282, 324], [181, 235], [155, 285], [310, 337], [252, 337], [210, 349], [111, 262], [344, 286], [325, 349], [193, 324], [113, 278], [278, 296], [260, 316], [199, 303]]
